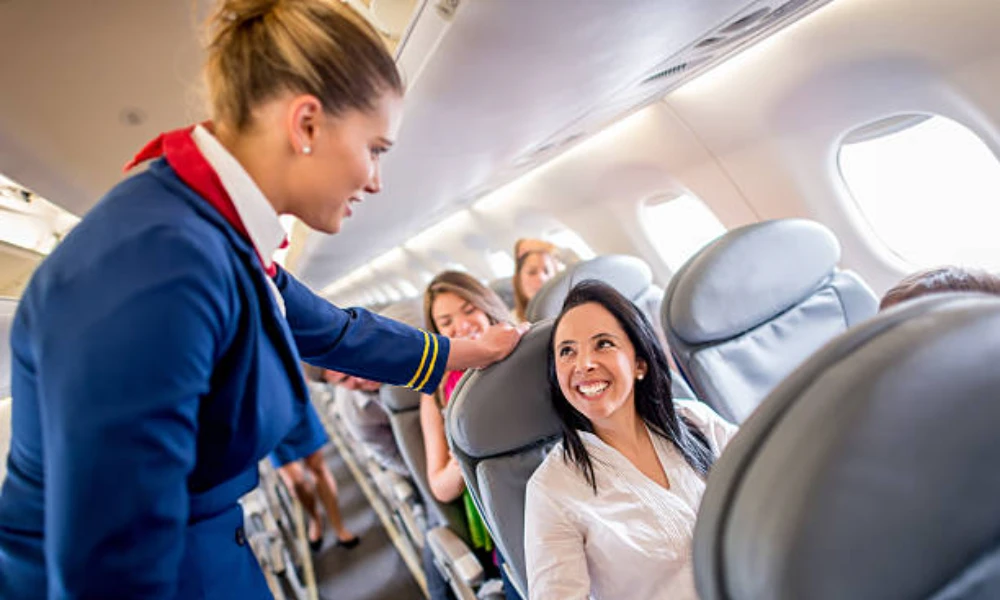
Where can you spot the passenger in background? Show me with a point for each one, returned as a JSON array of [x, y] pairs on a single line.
[[457, 306], [533, 268], [367, 418], [304, 446], [938, 280], [610, 512], [565, 256]]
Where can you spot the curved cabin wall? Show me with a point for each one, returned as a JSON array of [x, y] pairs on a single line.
[[757, 137]]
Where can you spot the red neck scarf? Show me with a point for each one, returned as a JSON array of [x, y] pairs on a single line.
[[184, 157]]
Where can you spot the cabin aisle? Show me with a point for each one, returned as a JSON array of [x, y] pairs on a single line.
[[373, 570]]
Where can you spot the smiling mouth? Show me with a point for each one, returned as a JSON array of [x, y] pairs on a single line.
[[592, 389]]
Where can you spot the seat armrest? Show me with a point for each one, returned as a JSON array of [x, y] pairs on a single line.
[[455, 555], [401, 488]]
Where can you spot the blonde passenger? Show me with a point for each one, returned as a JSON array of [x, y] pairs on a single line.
[[457, 306], [610, 512], [532, 271]]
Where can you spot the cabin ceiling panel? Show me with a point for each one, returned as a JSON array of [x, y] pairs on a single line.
[[86, 84], [506, 76]]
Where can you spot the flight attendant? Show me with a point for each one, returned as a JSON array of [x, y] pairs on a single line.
[[156, 351]]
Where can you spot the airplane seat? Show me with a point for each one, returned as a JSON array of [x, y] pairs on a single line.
[[631, 276], [751, 306], [404, 413], [870, 472], [7, 308], [501, 424], [504, 287], [449, 532]]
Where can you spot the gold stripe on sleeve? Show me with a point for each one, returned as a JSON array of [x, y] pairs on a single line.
[[423, 359], [430, 368]]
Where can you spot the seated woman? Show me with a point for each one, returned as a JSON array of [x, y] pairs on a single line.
[[532, 269], [611, 511], [457, 306], [938, 280]]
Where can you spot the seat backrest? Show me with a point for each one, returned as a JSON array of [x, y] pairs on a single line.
[[500, 424], [403, 405], [746, 310], [629, 275], [870, 472], [7, 308], [504, 287]]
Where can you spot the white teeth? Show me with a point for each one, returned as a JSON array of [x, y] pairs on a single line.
[[592, 389]]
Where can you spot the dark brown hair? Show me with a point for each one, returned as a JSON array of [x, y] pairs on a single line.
[[654, 403], [938, 280]]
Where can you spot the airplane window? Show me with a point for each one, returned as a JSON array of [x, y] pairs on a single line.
[[929, 188], [567, 238], [679, 227], [501, 263]]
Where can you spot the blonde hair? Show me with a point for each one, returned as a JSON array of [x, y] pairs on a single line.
[[467, 288], [520, 297], [258, 49]]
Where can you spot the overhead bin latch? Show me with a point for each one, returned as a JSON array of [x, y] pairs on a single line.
[[447, 8]]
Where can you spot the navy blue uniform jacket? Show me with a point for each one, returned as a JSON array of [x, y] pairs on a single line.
[[152, 371]]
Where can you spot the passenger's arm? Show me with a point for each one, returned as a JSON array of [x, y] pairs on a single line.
[[443, 473], [555, 560], [123, 355]]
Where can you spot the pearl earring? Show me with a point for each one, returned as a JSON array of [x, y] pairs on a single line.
[[640, 376], [307, 150]]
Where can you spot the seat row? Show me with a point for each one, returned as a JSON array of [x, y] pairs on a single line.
[[862, 466]]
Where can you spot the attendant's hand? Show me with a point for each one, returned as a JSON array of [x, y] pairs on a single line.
[[500, 340], [494, 345]]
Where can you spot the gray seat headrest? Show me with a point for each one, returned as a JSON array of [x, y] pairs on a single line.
[[398, 399], [500, 424], [769, 266], [870, 472], [629, 275], [510, 408], [504, 287]]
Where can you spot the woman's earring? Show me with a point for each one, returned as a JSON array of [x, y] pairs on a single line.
[[640, 376], [307, 150]]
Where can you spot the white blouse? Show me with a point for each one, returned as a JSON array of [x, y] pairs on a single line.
[[631, 540]]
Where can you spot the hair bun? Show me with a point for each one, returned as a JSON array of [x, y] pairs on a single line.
[[238, 12]]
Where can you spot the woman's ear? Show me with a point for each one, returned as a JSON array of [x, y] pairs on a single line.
[[304, 113], [641, 368]]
